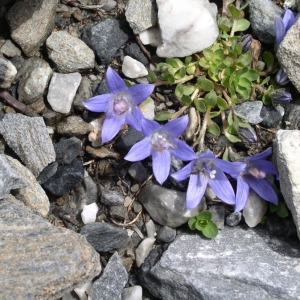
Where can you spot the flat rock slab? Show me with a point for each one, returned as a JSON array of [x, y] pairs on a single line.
[[38, 260], [240, 263]]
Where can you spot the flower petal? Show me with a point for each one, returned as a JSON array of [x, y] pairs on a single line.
[[261, 155], [232, 168], [139, 151], [114, 82], [222, 187], [176, 127], [288, 19], [279, 31], [148, 126], [134, 118], [98, 103], [111, 126], [263, 188], [140, 92], [242, 194], [161, 164], [266, 166], [185, 172], [183, 151], [196, 188]]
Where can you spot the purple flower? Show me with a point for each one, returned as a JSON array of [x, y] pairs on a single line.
[[246, 42], [281, 97], [252, 174], [247, 133], [120, 105], [206, 169], [282, 25], [161, 142], [281, 77]]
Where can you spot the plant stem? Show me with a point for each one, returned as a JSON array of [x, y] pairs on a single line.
[[203, 130]]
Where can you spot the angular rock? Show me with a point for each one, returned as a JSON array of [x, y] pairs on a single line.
[[105, 38], [9, 49], [73, 125], [166, 234], [7, 72], [138, 172], [133, 68], [29, 139], [111, 197], [272, 116], [151, 36], [143, 250], [68, 53], [288, 54], [36, 74], [65, 178], [133, 293], [67, 150], [32, 195], [84, 92], [9, 178], [165, 206], [186, 26], [62, 90], [128, 139], [234, 219], [104, 237], [134, 51], [111, 283], [250, 110], [41, 261], [89, 213], [286, 154], [264, 27], [141, 14], [238, 264], [28, 16]]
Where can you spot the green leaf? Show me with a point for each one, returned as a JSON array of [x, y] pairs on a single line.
[[188, 89], [192, 223], [214, 114], [210, 231], [245, 92], [205, 84], [265, 81], [200, 105], [208, 54], [203, 63], [204, 215], [245, 59], [170, 78], [180, 73], [219, 54], [213, 128], [179, 90], [268, 58], [186, 100], [174, 62], [211, 99], [222, 104], [241, 25], [201, 224], [231, 138], [163, 116], [251, 75], [151, 77], [188, 60], [244, 82], [234, 12], [191, 70]]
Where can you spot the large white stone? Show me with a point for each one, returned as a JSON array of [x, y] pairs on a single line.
[[186, 26]]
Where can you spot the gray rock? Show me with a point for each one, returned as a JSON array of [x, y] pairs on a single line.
[[111, 283], [9, 49], [62, 90], [135, 52], [264, 27], [32, 195], [251, 111], [111, 197], [74, 126], [234, 219], [9, 178], [41, 261], [132, 293], [288, 54], [166, 234], [65, 178], [36, 74], [132, 68], [28, 16], [128, 139], [8, 72], [29, 138], [84, 92], [118, 212], [272, 116], [286, 154], [104, 237], [238, 264], [218, 215], [141, 14], [143, 250], [138, 172], [67, 150], [105, 38], [68, 53], [108, 4], [165, 206]]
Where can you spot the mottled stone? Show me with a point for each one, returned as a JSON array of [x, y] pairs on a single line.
[[74, 126], [7, 72], [9, 49], [111, 197], [250, 110], [67, 150], [29, 138], [38, 260]]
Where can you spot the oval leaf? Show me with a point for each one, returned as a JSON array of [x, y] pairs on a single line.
[[242, 25], [163, 116], [210, 231], [213, 128]]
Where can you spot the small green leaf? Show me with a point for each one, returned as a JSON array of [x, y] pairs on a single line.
[[188, 60], [234, 12], [268, 58], [170, 78], [204, 215], [192, 223], [174, 62], [205, 84], [231, 138], [180, 73], [163, 116], [186, 100], [222, 104], [213, 128], [242, 25], [251, 75], [210, 231], [188, 89], [265, 81], [211, 99], [200, 105], [244, 82], [245, 92], [151, 77], [191, 70], [208, 54], [179, 90], [214, 114]]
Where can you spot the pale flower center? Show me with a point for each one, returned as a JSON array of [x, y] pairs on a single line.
[[122, 103], [256, 173], [205, 167], [161, 140]]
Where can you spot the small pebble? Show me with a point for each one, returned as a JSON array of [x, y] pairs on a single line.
[[150, 227], [89, 213], [135, 188], [132, 293], [143, 250]]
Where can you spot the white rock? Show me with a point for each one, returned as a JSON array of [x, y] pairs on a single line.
[[132, 293], [148, 108], [254, 210], [186, 26], [8, 72], [143, 250], [133, 68], [151, 36], [62, 90], [292, 4], [83, 290], [89, 213], [150, 228]]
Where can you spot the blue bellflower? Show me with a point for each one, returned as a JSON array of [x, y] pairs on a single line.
[[120, 105], [281, 97], [281, 77], [252, 174], [205, 170], [282, 25], [161, 142]]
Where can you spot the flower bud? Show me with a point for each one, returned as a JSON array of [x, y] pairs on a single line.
[[281, 78], [281, 97], [246, 42], [247, 133]]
